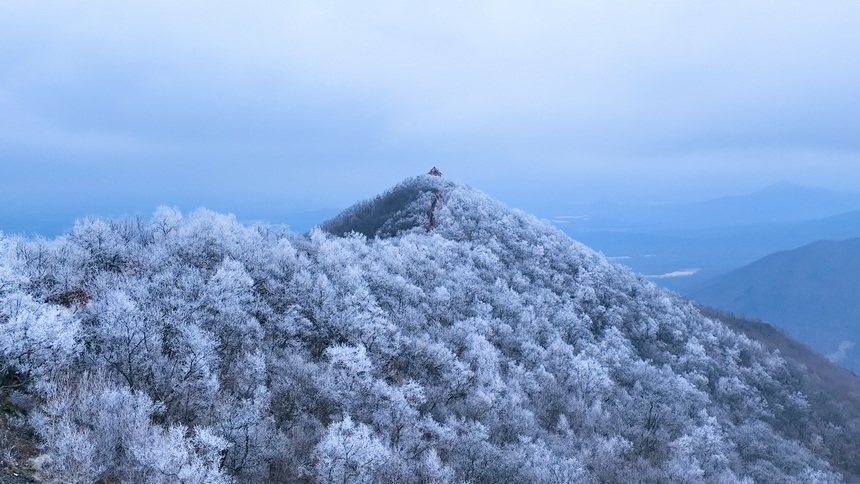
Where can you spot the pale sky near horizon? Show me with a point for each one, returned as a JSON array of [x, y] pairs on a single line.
[[121, 106]]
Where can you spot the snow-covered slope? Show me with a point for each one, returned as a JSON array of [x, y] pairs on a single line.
[[484, 346]]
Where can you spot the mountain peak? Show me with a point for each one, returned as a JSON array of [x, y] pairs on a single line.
[[408, 205]]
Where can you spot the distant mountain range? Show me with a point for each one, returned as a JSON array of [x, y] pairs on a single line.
[[779, 203], [697, 242], [812, 292]]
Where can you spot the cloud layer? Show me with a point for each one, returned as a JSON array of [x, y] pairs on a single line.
[[572, 97]]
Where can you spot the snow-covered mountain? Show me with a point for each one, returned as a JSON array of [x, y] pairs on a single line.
[[427, 335]]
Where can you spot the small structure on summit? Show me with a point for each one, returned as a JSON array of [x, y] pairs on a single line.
[[435, 172]]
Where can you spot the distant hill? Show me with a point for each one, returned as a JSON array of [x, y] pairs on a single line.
[[812, 292], [705, 239], [713, 251], [779, 203]]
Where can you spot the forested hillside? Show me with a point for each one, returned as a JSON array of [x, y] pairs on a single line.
[[481, 345]]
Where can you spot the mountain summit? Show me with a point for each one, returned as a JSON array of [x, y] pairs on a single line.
[[407, 206], [430, 334]]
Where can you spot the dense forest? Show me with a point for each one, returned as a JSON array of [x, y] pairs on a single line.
[[467, 343]]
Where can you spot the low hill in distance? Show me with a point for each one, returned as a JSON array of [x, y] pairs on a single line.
[[781, 203], [713, 252], [429, 334], [811, 292], [682, 246]]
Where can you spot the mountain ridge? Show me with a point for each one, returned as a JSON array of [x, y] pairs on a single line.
[[808, 291], [716, 251], [778, 203]]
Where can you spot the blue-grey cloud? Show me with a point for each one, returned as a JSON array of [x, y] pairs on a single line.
[[328, 101]]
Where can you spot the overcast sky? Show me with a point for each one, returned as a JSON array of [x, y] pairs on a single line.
[[109, 106]]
